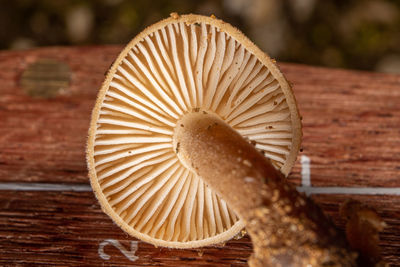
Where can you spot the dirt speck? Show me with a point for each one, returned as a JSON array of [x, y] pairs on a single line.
[[249, 179], [174, 15], [200, 252], [247, 163]]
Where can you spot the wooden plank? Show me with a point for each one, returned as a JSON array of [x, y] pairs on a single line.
[[67, 228], [43, 139], [351, 134], [388, 207], [351, 121], [351, 125]]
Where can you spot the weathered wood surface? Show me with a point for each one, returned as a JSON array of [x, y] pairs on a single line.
[[67, 228], [351, 134]]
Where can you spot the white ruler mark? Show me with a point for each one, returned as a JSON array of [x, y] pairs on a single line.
[[45, 187], [350, 190], [308, 189], [305, 171], [305, 187], [129, 254]]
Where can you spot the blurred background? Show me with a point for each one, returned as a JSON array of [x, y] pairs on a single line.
[[354, 34]]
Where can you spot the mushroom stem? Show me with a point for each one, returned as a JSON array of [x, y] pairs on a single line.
[[287, 228]]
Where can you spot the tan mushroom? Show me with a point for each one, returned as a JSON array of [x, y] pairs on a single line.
[[176, 67], [166, 154]]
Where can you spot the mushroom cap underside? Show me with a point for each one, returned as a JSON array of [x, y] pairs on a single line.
[[183, 64]]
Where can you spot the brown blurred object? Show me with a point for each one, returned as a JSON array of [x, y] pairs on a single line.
[[362, 231]]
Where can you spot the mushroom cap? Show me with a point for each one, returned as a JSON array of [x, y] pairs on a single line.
[[183, 64]]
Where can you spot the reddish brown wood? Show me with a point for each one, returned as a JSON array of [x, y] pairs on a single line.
[[351, 133], [44, 139], [351, 120], [351, 125], [387, 206], [66, 228]]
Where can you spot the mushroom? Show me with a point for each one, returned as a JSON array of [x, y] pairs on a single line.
[[178, 142]]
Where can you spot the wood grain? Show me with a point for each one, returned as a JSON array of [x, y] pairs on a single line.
[[66, 228], [351, 134], [44, 139], [351, 125]]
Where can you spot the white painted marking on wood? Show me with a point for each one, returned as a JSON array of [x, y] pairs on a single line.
[[305, 187], [305, 171], [45, 187], [350, 190], [129, 254], [308, 189]]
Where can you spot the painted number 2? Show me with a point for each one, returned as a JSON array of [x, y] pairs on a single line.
[[129, 254]]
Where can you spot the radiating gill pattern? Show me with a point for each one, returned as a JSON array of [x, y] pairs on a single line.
[[178, 69]]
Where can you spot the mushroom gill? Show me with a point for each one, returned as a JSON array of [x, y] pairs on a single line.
[[175, 67]]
